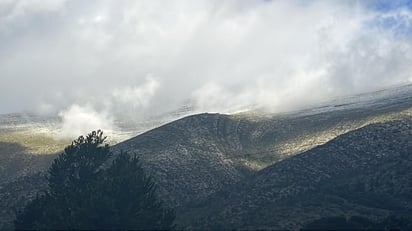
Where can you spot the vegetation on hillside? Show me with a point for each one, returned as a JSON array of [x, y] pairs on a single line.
[[87, 192]]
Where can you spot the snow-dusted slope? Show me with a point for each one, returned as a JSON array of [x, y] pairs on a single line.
[[195, 156]]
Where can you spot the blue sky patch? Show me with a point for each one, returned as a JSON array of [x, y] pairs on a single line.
[[388, 5], [392, 17]]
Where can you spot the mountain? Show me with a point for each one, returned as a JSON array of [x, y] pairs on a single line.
[[29, 142], [226, 170], [196, 156], [364, 173]]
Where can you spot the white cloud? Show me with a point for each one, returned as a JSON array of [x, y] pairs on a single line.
[[79, 120], [222, 55], [136, 96], [14, 10]]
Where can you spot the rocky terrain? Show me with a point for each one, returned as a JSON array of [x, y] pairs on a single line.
[[232, 171]]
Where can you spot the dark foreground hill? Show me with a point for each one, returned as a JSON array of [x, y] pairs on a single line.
[[364, 175]]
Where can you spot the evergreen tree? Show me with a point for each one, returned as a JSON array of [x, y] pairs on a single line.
[[85, 194]]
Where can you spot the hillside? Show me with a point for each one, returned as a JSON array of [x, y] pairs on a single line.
[[198, 155], [364, 173], [29, 142], [206, 156], [15, 194]]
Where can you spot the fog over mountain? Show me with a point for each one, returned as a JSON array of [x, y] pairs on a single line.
[[107, 60]]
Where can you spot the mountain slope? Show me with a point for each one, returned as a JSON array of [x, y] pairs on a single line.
[[187, 157], [363, 173], [193, 157], [206, 154]]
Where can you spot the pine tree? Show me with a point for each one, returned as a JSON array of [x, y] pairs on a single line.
[[85, 194]]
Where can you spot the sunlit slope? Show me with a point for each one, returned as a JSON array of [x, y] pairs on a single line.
[[274, 137], [27, 145], [34, 143], [36, 134], [279, 137]]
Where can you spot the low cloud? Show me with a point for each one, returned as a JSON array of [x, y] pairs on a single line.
[[78, 120], [126, 100], [134, 59]]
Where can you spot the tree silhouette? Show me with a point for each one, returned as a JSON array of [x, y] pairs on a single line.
[[87, 193]]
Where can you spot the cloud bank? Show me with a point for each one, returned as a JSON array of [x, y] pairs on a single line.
[[133, 59]]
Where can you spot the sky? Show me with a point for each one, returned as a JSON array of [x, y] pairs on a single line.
[[102, 60]]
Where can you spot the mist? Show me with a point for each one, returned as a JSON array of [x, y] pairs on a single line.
[[104, 60]]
